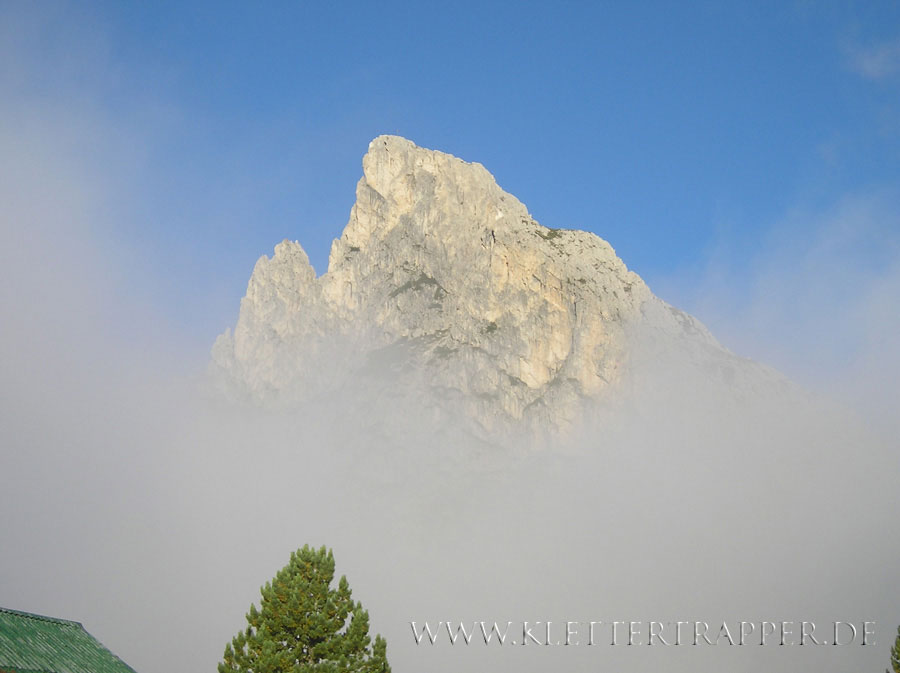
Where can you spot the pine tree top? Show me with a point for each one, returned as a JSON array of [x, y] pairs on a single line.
[[306, 625]]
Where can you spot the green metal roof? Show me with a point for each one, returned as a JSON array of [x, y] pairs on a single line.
[[36, 644]]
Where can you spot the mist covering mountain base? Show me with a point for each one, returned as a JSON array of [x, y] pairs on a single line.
[[492, 420], [692, 509]]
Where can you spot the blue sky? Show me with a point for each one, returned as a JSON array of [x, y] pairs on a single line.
[[692, 136]]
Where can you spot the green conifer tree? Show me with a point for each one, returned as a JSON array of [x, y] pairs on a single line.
[[895, 654], [304, 625]]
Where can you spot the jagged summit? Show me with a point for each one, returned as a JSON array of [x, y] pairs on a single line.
[[444, 282]]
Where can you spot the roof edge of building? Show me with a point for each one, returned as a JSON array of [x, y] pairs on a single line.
[[43, 618]]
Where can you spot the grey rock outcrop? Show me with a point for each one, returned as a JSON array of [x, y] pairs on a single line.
[[445, 282]]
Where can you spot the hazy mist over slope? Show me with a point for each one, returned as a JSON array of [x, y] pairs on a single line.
[[154, 514], [151, 512]]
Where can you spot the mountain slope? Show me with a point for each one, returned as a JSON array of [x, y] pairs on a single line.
[[443, 284]]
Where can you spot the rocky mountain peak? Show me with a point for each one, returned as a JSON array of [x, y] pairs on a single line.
[[442, 278]]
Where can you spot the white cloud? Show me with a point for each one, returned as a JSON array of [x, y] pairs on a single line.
[[876, 62], [818, 301]]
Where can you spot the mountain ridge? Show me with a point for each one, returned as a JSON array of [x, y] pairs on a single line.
[[443, 271]]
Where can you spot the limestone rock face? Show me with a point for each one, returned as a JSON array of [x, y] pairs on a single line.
[[442, 277]]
